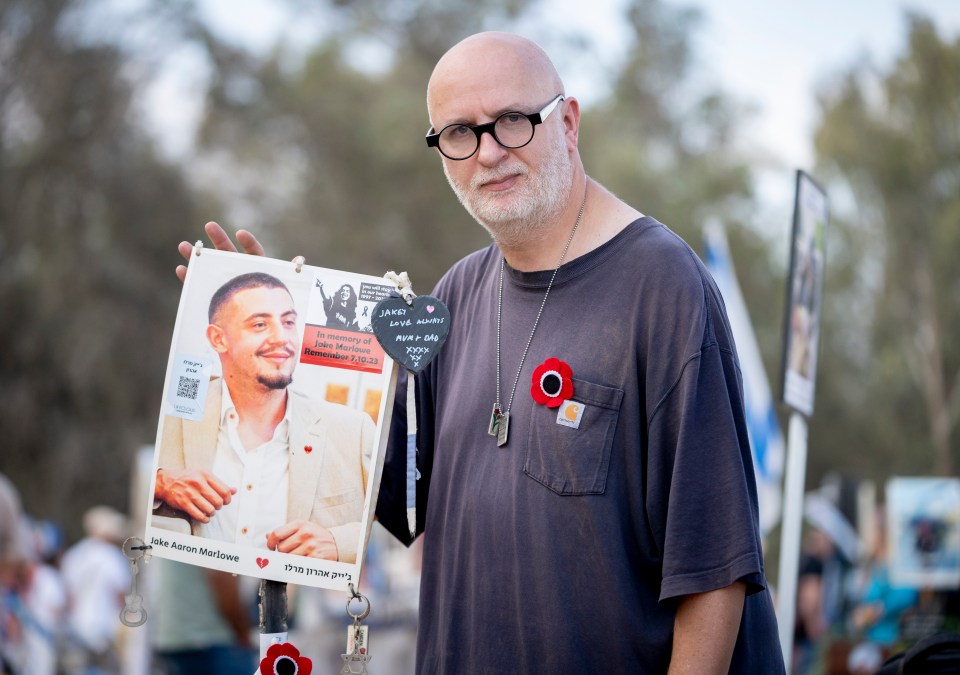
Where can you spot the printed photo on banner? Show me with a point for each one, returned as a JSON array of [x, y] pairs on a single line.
[[273, 423], [338, 331], [804, 295], [923, 517]]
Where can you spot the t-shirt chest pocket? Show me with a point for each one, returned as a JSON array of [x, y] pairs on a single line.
[[568, 460]]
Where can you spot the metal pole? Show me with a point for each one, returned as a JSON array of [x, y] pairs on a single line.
[[273, 614], [790, 533]]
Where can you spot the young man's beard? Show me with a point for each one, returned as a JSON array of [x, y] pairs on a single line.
[[278, 381]]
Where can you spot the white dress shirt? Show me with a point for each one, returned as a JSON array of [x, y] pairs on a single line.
[[260, 476]]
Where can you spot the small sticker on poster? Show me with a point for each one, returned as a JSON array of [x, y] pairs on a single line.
[[267, 413], [187, 386]]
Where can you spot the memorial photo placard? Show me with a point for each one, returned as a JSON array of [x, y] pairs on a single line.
[[274, 421], [923, 525], [804, 295]]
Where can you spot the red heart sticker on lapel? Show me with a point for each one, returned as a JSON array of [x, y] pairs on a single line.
[[308, 449], [262, 562]]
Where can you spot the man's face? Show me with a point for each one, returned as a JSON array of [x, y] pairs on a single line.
[[255, 333], [521, 187], [344, 294], [509, 191]]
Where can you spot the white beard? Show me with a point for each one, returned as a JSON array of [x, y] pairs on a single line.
[[526, 211]]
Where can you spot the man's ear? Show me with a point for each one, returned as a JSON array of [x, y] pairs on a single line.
[[217, 338], [571, 121]]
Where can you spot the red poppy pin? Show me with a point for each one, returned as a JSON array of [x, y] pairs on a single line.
[[552, 383], [285, 659]]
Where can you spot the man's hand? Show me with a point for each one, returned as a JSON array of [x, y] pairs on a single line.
[[221, 241], [301, 537], [197, 493]]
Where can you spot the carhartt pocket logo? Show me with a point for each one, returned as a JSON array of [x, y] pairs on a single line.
[[570, 414]]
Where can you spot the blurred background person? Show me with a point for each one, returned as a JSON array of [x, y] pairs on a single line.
[[818, 590], [880, 608], [32, 598], [42, 601], [12, 564], [97, 577], [201, 621]]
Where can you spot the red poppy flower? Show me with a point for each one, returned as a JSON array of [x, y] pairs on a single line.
[[552, 383], [285, 659]]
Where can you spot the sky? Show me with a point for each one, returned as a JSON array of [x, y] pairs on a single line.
[[774, 53], [768, 53]]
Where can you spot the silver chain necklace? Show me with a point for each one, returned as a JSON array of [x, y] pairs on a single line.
[[500, 418]]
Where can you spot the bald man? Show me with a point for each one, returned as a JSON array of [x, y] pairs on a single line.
[[596, 513]]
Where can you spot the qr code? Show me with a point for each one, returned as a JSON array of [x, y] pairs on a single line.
[[188, 387]]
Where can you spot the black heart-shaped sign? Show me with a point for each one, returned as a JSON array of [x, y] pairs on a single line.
[[411, 334]]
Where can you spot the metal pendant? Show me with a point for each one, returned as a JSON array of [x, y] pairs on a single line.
[[358, 653], [494, 419], [357, 656], [499, 425], [503, 428]]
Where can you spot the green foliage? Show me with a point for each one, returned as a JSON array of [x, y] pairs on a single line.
[[320, 152], [87, 212], [338, 170], [659, 144], [892, 140], [338, 173]]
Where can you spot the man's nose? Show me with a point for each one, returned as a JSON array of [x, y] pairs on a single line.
[[490, 152], [276, 333]]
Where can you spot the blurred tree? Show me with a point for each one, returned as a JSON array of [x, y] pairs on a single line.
[[667, 144], [891, 141], [86, 284], [324, 157], [659, 141], [318, 151], [318, 157]]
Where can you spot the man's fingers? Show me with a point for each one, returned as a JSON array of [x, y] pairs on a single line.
[[223, 491], [200, 509], [186, 250], [219, 238], [222, 242], [286, 530], [303, 538], [302, 549], [282, 536], [274, 541], [215, 491], [249, 243]]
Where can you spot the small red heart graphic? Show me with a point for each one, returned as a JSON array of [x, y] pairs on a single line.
[[262, 562], [430, 309], [308, 449]]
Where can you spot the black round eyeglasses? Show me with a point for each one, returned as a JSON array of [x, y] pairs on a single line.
[[511, 130]]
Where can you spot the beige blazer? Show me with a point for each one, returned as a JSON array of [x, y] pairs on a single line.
[[330, 450]]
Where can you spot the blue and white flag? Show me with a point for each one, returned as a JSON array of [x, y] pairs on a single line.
[[766, 440]]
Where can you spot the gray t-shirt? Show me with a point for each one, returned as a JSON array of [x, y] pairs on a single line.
[[565, 551]]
